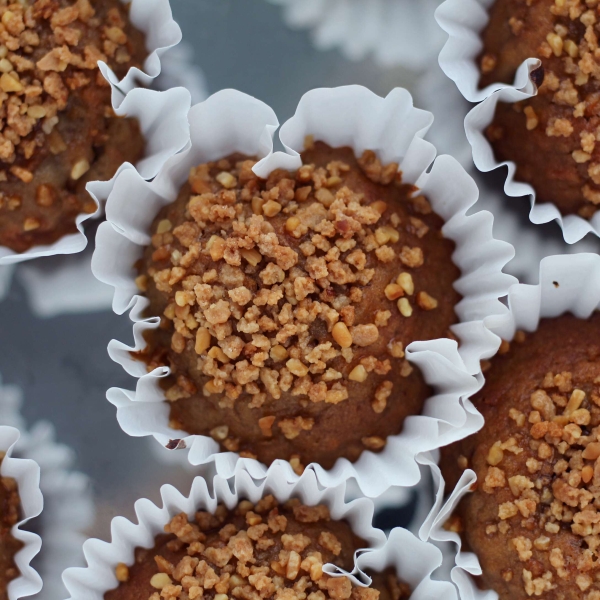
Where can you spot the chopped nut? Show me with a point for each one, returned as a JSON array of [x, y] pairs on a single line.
[[160, 581], [122, 572], [404, 307], [341, 334], [426, 302], [405, 281], [359, 374], [80, 168]]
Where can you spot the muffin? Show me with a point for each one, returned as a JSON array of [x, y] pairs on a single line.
[[552, 136], [532, 519], [287, 303], [57, 127], [9, 545], [257, 551]]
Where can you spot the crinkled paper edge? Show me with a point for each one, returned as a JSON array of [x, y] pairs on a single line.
[[463, 20], [68, 504], [414, 559], [230, 121], [27, 475], [568, 284]]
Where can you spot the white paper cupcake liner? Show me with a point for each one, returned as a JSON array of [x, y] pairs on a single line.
[[568, 283], [68, 505], [394, 32], [464, 20], [163, 136], [155, 19], [350, 116], [179, 70], [413, 559], [27, 475]]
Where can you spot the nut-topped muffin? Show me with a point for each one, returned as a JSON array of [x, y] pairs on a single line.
[[533, 518], [261, 551], [287, 304], [57, 127], [552, 136], [9, 545]]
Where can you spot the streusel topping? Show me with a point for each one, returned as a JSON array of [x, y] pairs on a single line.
[[256, 552]]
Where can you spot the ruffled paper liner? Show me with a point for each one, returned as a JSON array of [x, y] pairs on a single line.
[[179, 70], [352, 116], [464, 20], [157, 115], [394, 32], [68, 505], [439, 95], [27, 475], [568, 284], [413, 559]]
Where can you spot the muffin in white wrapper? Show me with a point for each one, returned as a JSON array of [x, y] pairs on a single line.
[[568, 284], [68, 504], [395, 32], [438, 94], [464, 20], [350, 116], [26, 473], [163, 138], [413, 559]]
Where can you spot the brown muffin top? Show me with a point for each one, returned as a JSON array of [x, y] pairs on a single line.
[[267, 550], [533, 519], [10, 508], [42, 60], [287, 303], [57, 126], [563, 34]]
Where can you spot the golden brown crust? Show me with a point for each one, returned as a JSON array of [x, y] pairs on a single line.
[[57, 127], [292, 345], [9, 546], [552, 136], [254, 552], [533, 519]]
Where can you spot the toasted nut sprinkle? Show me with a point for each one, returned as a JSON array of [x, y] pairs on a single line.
[[160, 581], [405, 281], [227, 180], [404, 307], [393, 291], [220, 433], [426, 302], [359, 373], [164, 226], [80, 168], [271, 208], [341, 334], [30, 224], [267, 289], [122, 572]]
